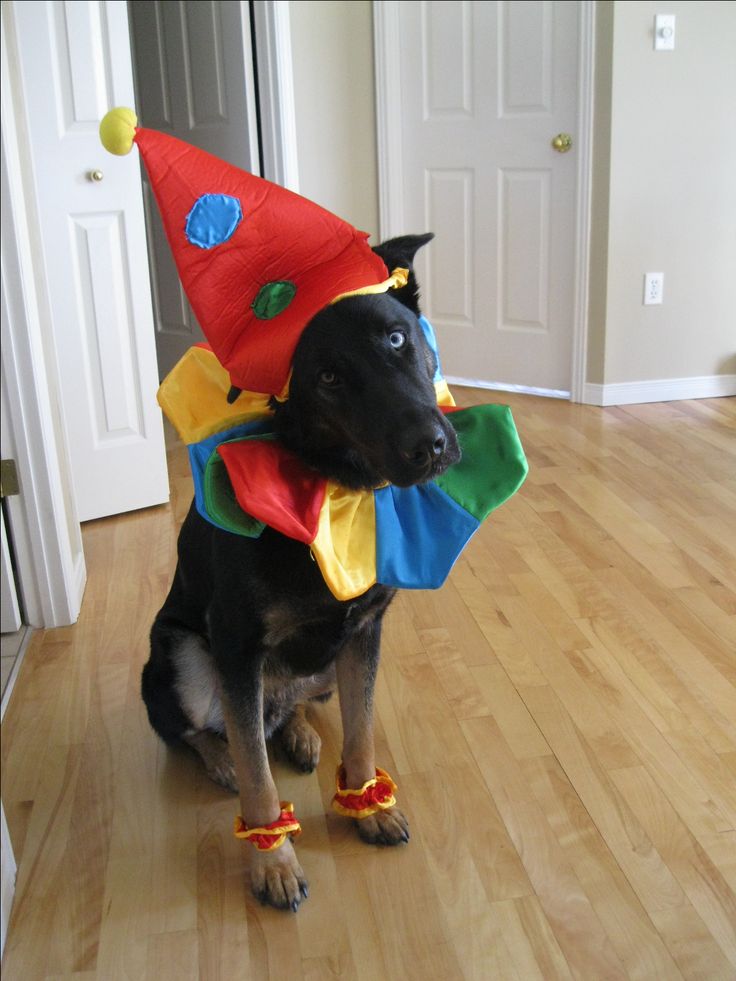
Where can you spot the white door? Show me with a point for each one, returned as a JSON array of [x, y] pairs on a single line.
[[194, 80], [484, 89], [75, 65]]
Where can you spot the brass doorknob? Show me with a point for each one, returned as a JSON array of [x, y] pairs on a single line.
[[562, 142], [95, 175]]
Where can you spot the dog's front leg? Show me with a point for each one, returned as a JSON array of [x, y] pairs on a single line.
[[357, 665], [276, 875]]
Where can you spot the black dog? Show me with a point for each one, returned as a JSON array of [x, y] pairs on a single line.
[[250, 632]]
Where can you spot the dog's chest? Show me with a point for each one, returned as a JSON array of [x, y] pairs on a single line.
[[304, 638]]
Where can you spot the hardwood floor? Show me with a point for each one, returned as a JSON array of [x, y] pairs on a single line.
[[560, 719]]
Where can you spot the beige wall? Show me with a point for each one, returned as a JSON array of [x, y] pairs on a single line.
[[332, 51], [672, 195]]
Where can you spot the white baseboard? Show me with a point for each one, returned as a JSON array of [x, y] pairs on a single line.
[[661, 390], [548, 393], [624, 393]]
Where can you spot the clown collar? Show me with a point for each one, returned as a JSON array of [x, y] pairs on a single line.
[[406, 537]]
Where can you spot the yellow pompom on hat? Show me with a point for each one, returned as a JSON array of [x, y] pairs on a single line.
[[117, 130]]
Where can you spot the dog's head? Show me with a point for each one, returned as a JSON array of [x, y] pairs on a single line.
[[362, 407]]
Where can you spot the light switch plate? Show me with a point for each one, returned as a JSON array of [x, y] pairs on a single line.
[[664, 32]]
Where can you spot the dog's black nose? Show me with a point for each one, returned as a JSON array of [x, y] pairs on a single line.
[[426, 450]]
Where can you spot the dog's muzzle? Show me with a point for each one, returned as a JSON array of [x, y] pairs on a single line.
[[427, 451]]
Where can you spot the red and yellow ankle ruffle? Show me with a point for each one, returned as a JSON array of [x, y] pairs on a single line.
[[375, 795], [271, 836]]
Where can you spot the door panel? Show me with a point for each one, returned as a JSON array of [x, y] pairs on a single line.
[[102, 296], [194, 79], [485, 88], [74, 68], [523, 283], [449, 197], [525, 58]]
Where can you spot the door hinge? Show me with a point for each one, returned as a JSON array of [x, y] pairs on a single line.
[[9, 486]]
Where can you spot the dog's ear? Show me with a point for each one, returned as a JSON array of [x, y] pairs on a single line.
[[400, 252]]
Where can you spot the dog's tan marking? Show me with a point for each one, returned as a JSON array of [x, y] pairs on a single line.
[[276, 877], [281, 622], [356, 709], [197, 684], [356, 679]]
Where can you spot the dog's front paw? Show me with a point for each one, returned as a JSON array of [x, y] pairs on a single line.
[[277, 878], [384, 828], [222, 772], [215, 755], [301, 743]]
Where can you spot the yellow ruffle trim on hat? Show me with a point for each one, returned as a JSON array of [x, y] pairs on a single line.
[[398, 278], [194, 397]]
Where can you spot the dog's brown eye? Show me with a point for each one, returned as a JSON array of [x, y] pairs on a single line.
[[328, 378], [397, 339]]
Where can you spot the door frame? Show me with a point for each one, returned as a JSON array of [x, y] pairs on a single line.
[[386, 26], [273, 69], [44, 520]]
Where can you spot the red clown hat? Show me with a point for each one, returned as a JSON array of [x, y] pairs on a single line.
[[256, 260]]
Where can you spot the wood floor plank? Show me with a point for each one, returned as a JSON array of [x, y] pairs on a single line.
[[37, 895], [700, 691], [560, 719], [704, 886], [230, 943], [561, 626], [601, 811], [495, 626], [721, 623], [700, 758], [459, 887], [483, 845], [426, 730], [721, 850], [413, 935], [563, 900], [689, 791], [539, 936], [507, 706], [563, 677], [620, 892], [173, 953], [458, 681], [633, 659]]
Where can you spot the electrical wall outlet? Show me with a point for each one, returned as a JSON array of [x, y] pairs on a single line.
[[653, 288]]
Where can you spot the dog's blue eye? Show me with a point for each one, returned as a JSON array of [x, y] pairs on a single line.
[[328, 378], [397, 339]]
